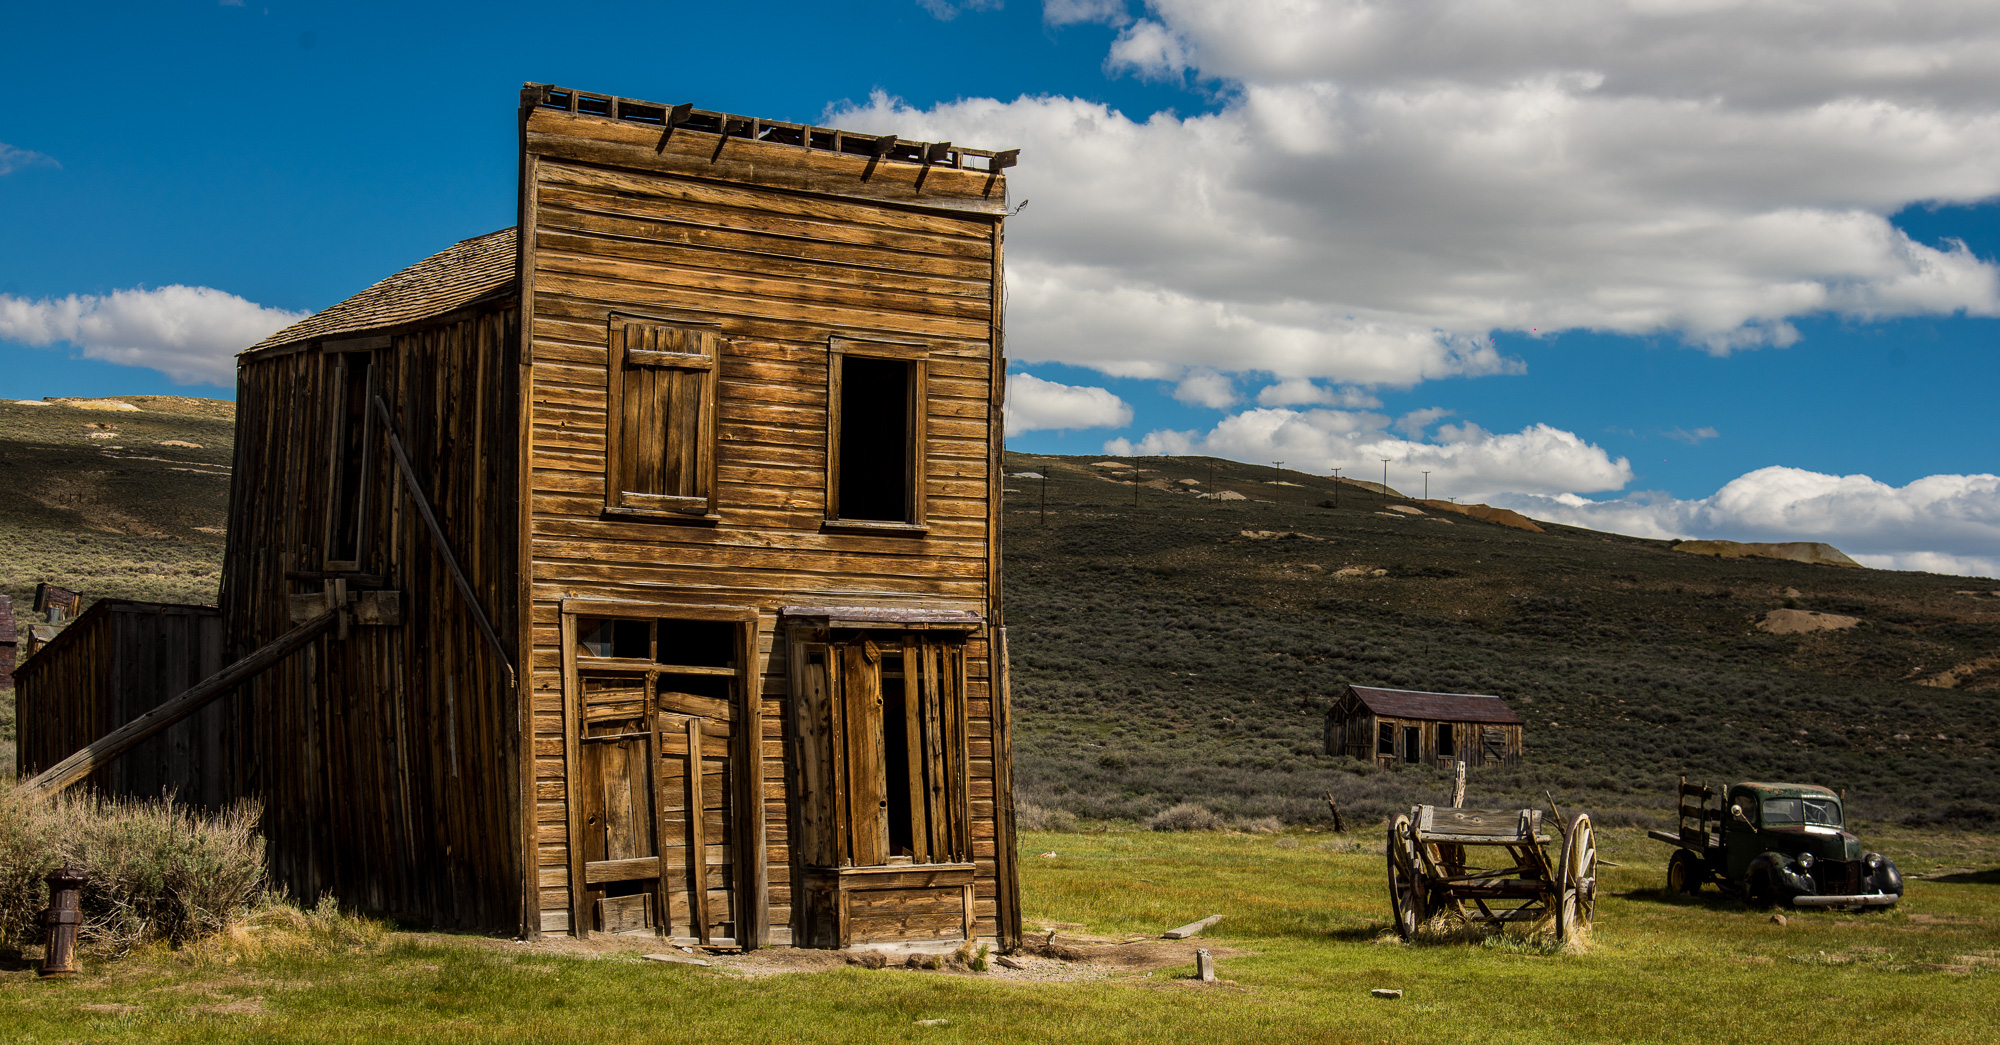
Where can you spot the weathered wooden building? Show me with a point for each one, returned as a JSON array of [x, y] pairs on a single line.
[[1392, 726], [114, 662], [683, 495]]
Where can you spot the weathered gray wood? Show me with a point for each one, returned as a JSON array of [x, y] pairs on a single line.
[[124, 738], [1204, 966], [440, 545], [1191, 929]]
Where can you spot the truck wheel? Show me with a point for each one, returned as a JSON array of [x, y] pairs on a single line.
[[1683, 873]]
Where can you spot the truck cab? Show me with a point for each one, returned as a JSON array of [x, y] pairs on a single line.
[[1777, 843]]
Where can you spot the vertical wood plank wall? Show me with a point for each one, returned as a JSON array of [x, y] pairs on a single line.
[[117, 661], [387, 761], [781, 273]]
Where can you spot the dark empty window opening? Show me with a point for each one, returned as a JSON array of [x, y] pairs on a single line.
[[1445, 748], [349, 373], [698, 643], [1385, 740], [614, 637], [896, 757], [875, 439], [1413, 743]]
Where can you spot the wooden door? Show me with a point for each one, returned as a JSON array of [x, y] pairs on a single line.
[[661, 779]]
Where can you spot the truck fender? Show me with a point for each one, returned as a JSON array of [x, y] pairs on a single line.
[[1769, 879], [1879, 875]]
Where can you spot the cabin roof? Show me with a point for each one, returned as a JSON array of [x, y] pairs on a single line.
[[453, 278], [1442, 707]]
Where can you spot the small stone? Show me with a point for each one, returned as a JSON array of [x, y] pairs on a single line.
[[1049, 853], [867, 961], [933, 1023], [1007, 963], [1778, 920], [1385, 992]]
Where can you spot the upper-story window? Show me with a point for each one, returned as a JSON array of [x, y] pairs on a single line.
[[350, 384], [876, 398], [659, 438]]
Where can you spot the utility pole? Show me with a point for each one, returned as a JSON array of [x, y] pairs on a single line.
[[1385, 479], [1045, 495], [1427, 484], [1280, 466], [1336, 487]]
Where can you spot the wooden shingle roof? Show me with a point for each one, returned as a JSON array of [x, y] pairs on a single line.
[[452, 278], [1439, 707]]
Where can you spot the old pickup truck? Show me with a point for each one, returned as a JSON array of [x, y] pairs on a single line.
[[1775, 844]]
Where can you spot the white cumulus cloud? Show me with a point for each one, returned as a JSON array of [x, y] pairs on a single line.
[[1465, 461], [191, 334], [1078, 12], [1387, 182], [13, 159], [1942, 523], [1034, 404], [1205, 387]]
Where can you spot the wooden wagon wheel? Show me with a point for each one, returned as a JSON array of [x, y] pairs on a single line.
[[1406, 879], [1576, 879]]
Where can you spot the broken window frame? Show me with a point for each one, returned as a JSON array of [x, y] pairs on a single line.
[[349, 425], [915, 453], [839, 726], [625, 436]]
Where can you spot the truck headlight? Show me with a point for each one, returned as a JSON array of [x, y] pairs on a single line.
[[1805, 861]]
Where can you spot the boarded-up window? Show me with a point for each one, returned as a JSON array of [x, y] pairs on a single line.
[[660, 427], [883, 765], [876, 401]]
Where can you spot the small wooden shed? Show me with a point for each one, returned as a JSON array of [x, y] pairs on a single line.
[[1393, 726], [115, 662], [677, 507]]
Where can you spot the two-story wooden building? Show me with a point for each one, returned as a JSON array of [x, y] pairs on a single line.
[[676, 508]]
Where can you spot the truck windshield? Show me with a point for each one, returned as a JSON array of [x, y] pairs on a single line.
[[1824, 811]]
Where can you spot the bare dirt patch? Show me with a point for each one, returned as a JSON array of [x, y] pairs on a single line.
[[1798, 622]]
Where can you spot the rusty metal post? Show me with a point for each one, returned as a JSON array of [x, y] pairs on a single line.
[[62, 919]]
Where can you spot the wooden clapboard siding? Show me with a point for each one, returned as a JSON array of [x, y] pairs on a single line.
[[387, 761], [783, 249]]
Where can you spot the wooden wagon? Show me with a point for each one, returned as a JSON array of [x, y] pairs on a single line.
[[1490, 866]]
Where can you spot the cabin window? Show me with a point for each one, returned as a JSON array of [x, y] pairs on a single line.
[[1413, 743], [884, 769], [660, 422], [350, 384], [1445, 748], [876, 395], [1385, 740]]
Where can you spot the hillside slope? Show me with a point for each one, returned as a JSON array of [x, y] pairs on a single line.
[[127, 503], [1186, 649]]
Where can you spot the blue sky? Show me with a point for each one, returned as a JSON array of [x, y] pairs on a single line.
[[1713, 269]]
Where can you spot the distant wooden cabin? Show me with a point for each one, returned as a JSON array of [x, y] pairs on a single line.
[[714, 448], [57, 605], [1394, 726], [116, 661]]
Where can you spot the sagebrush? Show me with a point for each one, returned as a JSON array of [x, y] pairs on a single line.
[[158, 869]]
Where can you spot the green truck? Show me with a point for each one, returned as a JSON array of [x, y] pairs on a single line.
[[1784, 844]]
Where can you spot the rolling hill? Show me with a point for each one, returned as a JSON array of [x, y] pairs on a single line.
[[1171, 647]]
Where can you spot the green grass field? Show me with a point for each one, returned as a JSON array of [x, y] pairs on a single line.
[[1307, 914]]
